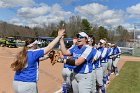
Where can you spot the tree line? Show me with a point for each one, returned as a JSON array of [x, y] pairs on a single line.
[[74, 25]]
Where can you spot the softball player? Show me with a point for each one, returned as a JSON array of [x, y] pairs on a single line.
[[104, 58], [27, 65], [110, 50], [91, 43], [83, 55], [67, 71], [116, 58]]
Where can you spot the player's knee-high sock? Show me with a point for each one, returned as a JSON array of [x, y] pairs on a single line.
[[65, 88], [102, 89], [104, 79]]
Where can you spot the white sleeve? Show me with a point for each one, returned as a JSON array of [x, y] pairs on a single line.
[[86, 52], [119, 49], [104, 52]]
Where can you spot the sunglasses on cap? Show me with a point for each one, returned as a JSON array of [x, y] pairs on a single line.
[[81, 37]]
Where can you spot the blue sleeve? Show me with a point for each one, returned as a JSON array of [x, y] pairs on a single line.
[[72, 49], [38, 53]]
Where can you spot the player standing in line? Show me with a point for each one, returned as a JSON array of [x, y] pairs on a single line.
[[104, 59], [116, 58], [91, 42], [67, 71], [27, 65], [97, 69], [110, 51], [83, 55]]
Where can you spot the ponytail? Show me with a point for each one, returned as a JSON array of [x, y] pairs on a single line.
[[21, 60]]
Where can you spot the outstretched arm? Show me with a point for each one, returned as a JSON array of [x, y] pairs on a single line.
[[63, 48], [61, 33]]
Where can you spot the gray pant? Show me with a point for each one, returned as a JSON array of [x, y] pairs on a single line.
[[99, 76], [82, 83], [93, 81], [109, 64], [104, 65], [67, 75], [25, 87], [115, 62]]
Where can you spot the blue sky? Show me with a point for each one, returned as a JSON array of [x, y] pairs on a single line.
[[100, 12]]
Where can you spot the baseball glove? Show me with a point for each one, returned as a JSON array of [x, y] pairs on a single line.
[[54, 55]]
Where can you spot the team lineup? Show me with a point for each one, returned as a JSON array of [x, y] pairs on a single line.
[[87, 66]]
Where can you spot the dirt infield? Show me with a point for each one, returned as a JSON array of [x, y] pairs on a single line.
[[50, 78]]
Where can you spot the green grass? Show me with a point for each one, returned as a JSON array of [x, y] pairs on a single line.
[[128, 80]]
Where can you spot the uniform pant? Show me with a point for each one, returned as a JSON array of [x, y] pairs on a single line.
[[67, 75], [82, 83], [104, 66], [25, 87], [99, 76], [115, 63], [109, 64], [93, 81]]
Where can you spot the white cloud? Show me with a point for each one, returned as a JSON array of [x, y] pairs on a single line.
[[15, 3], [57, 10], [16, 21], [44, 14], [45, 20], [101, 15], [91, 9], [112, 17], [134, 10], [29, 12], [128, 26]]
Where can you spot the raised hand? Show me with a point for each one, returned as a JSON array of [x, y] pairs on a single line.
[[61, 32]]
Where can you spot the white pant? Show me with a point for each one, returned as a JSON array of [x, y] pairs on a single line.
[[104, 66], [94, 81], [25, 87], [67, 75], [99, 76], [109, 64], [115, 62], [82, 83]]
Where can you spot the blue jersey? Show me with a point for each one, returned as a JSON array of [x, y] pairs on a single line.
[[110, 52], [116, 51], [30, 72], [86, 52], [97, 62], [68, 66], [104, 54]]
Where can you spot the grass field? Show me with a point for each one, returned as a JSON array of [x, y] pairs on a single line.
[[128, 80]]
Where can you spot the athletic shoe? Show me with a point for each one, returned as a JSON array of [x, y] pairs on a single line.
[[117, 74]]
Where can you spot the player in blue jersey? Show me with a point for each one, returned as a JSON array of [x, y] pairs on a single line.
[[104, 58], [82, 58], [91, 42], [110, 51], [26, 65], [67, 71], [116, 58]]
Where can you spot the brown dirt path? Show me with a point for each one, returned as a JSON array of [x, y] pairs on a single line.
[[50, 78]]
